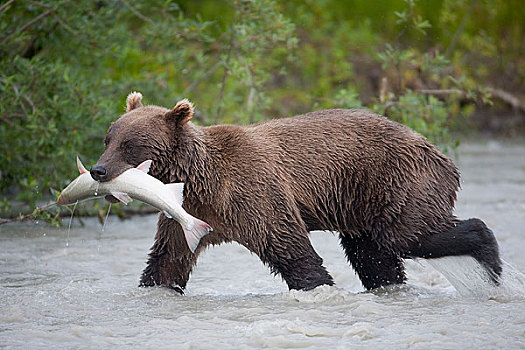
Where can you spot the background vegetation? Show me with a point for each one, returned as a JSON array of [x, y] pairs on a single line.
[[66, 67]]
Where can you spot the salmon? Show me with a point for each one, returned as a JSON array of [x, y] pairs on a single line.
[[135, 183]]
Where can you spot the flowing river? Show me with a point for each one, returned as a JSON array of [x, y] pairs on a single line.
[[79, 290]]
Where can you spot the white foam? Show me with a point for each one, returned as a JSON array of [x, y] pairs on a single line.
[[289, 333], [321, 294]]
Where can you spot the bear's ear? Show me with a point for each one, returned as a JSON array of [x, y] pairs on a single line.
[[133, 101], [181, 113]]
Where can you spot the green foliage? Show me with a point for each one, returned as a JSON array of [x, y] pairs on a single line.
[[408, 19], [415, 76], [348, 99], [423, 113], [47, 119], [259, 39], [66, 67]]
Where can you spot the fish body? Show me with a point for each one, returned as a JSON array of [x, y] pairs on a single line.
[[136, 183]]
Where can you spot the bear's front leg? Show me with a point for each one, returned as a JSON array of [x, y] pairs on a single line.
[[170, 261]]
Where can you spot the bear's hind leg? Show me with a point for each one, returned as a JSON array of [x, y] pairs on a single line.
[[375, 266], [468, 237]]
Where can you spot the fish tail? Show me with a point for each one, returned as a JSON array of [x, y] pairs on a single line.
[[198, 230]]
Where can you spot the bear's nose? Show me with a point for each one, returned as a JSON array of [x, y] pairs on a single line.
[[98, 172]]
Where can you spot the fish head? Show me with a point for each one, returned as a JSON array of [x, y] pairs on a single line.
[[142, 133]]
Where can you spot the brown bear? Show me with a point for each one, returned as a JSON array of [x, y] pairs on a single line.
[[384, 188]]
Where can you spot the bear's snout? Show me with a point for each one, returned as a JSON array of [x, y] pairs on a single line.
[[98, 172]]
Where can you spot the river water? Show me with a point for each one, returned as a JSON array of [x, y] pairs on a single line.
[[81, 292]]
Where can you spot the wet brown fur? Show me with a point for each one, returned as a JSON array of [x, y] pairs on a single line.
[[382, 186]]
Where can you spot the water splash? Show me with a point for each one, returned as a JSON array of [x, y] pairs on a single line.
[[106, 218], [70, 222], [471, 279], [99, 238], [512, 284]]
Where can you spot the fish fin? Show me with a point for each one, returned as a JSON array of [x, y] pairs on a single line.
[[145, 165], [177, 189], [167, 215], [194, 235], [81, 166], [121, 196]]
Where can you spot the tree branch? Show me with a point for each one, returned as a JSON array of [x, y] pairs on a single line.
[[441, 92], [457, 34], [202, 77], [500, 94], [3, 7], [59, 19], [17, 93], [126, 211], [137, 13], [22, 217], [63, 24], [253, 88], [508, 98], [27, 25], [226, 71], [5, 118]]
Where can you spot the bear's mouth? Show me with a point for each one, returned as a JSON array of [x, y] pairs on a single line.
[[111, 199]]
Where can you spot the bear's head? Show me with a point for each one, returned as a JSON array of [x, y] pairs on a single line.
[[142, 133]]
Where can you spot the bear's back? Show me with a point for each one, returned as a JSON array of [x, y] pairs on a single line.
[[339, 127], [315, 143], [338, 136]]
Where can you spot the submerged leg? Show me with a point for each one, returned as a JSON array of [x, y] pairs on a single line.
[[164, 270], [170, 260], [469, 237], [375, 266]]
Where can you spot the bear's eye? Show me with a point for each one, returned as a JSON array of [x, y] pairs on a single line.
[[126, 147], [130, 151]]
